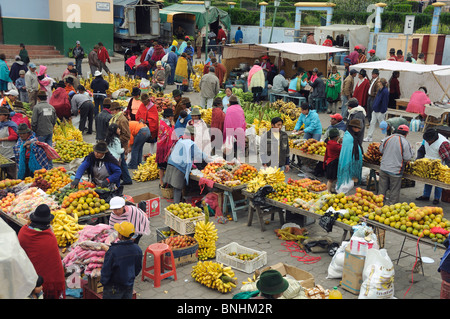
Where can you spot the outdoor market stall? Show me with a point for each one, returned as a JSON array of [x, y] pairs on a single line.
[[351, 35]]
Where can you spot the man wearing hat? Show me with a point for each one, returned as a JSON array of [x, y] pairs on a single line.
[[9, 98], [373, 57], [357, 112], [82, 104], [122, 264], [43, 119], [32, 84], [165, 141], [28, 155], [148, 114], [99, 86], [103, 56], [139, 134], [177, 96], [16, 67], [336, 122], [390, 125], [70, 66], [93, 60], [102, 121], [347, 91], [120, 119], [8, 138], [209, 88], [391, 56], [354, 55], [271, 285], [375, 86], [101, 166], [60, 101], [78, 54], [159, 77], [396, 151], [39, 243]]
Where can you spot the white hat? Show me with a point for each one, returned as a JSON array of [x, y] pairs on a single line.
[[12, 92], [116, 202], [97, 73]]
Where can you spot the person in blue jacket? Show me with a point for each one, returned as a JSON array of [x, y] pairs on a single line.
[[102, 167], [181, 123], [238, 36], [379, 109], [309, 123]]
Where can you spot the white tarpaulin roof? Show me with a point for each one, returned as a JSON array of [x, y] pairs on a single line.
[[436, 78], [294, 51], [356, 34]]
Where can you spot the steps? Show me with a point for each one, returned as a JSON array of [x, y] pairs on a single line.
[[34, 51]]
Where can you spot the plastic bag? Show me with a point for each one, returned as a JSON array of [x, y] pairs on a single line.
[[345, 187], [17, 273], [327, 220], [336, 267], [144, 84], [378, 276]]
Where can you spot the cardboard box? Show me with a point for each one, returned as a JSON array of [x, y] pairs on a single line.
[[305, 278], [352, 272], [94, 284], [149, 203]]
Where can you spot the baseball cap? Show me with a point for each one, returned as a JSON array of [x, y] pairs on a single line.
[[126, 229], [383, 127], [372, 51], [116, 202], [32, 65], [337, 116], [403, 128]]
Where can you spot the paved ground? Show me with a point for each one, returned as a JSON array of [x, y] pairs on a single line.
[[408, 285]]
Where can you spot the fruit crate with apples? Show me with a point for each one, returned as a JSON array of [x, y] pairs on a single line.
[[183, 226], [248, 266]]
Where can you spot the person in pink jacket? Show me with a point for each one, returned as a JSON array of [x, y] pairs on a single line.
[[234, 127], [418, 101]]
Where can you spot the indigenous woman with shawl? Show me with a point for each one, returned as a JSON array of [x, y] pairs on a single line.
[[333, 90], [165, 142]]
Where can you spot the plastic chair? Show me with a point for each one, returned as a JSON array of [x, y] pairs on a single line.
[[159, 251]]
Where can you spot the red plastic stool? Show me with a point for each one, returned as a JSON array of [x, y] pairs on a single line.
[[158, 251]]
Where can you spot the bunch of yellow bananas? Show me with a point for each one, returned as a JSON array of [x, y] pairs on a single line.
[[214, 275], [262, 126], [425, 167], [288, 123], [64, 130], [196, 82], [266, 176], [206, 115], [206, 236], [65, 227], [116, 82], [198, 68], [147, 171]]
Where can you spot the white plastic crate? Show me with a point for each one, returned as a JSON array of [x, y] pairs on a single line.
[[247, 266], [182, 226]]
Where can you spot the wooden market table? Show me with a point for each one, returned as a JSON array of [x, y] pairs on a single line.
[[315, 157], [228, 200], [376, 168], [401, 103], [295, 210], [436, 114]]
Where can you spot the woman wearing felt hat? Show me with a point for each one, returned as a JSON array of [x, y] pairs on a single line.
[[351, 156], [271, 285], [101, 166], [166, 139], [28, 154], [39, 243]]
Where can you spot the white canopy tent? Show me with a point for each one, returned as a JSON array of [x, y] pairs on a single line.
[[294, 51], [355, 34], [436, 78]]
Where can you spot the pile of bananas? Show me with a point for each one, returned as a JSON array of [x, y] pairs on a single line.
[[266, 176], [122, 103], [288, 108], [262, 126], [65, 227], [147, 171], [288, 122], [214, 275], [64, 130], [196, 81], [206, 236], [206, 115], [116, 82], [429, 168]]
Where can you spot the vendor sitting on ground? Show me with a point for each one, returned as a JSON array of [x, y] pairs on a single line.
[[102, 167], [29, 155], [184, 154], [129, 213]]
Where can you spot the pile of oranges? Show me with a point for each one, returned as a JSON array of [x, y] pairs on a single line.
[[84, 202], [56, 177], [245, 173], [6, 201]]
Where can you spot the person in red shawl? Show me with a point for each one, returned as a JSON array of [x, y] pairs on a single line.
[[39, 242], [328, 42], [158, 52], [361, 92], [60, 101], [217, 119], [103, 56], [165, 142], [148, 114]]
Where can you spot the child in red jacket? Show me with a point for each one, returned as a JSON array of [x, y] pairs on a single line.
[[331, 159]]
